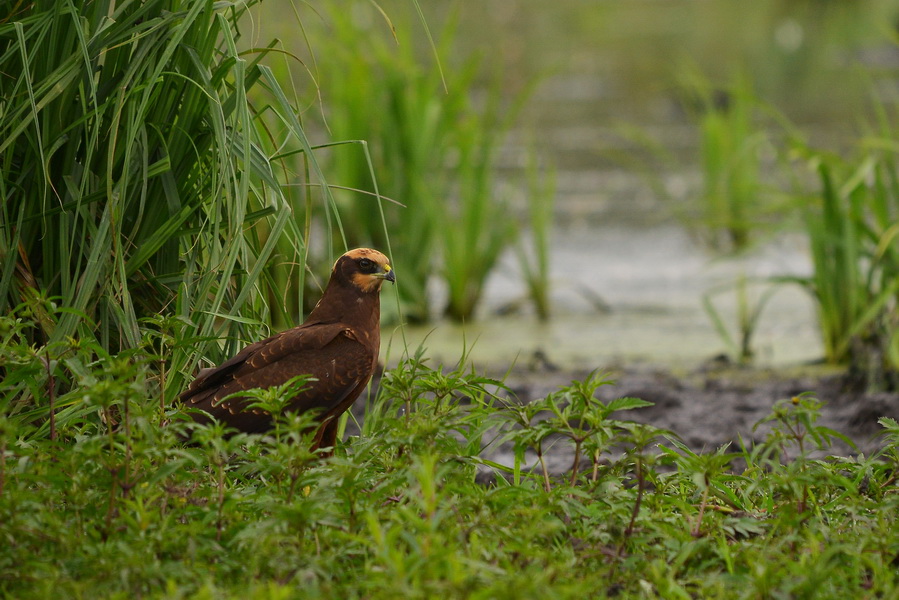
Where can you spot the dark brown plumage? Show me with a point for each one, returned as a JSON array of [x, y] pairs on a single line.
[[337, 345]]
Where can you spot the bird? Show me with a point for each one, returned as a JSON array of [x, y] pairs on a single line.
[[337, 346]]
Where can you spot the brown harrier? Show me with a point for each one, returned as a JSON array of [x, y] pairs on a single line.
[[337, 345]]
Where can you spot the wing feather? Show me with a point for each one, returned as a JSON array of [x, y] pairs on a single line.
[[330, 353]]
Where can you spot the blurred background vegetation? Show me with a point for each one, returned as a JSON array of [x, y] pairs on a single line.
[[715, 114]]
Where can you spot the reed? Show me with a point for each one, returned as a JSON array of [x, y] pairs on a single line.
[[481, 224], [433, 149], [730, 143], [377, 90], [854, 243], [138, 177], [533, 250]]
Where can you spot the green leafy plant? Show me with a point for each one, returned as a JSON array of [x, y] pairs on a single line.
[[584, 419], [705, 471], [527, 434], [891, 449], [793, 437], [575, 413], [117, 505]]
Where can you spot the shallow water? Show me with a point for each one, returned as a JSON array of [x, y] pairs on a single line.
[[629, 295], [628, 282]]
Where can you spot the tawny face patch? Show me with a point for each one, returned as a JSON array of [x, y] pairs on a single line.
[[367, 268]]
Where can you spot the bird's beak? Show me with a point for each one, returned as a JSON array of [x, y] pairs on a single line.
[[387, 274]]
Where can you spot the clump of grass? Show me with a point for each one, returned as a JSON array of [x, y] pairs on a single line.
[[432, 145], [749, 307], [533, 249], [854, 241], [730, 142], [376, 88], [479, 226], [138, 178]]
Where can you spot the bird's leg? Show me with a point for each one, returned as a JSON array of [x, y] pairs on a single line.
[[327, 437]]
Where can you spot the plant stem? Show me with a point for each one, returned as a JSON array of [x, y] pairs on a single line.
[[2, 465], [161, 390], [640, 487], [110, 507], [51, 393], [126, 483], [577, 460], [292, 488], [221, 502], [546, 484], [702, 505]]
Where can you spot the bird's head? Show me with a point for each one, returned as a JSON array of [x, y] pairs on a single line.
[[364, 268]]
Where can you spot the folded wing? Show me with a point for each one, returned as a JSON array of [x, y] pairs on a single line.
[[329, 353]]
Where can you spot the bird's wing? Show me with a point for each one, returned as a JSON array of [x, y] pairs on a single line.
[[330, 353]]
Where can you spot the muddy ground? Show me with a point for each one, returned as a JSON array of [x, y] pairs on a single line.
[[715, 404]]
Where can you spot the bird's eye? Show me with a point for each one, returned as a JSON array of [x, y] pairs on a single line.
[[365, 263]]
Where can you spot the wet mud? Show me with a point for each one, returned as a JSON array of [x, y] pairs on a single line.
[[705, 408], [714, 406]]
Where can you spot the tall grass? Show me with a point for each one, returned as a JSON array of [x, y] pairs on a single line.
[[138, 178], [376, 90], [850, 221], [433, 148], [534, 252], [478, 221], [730, 141], [854, 239]]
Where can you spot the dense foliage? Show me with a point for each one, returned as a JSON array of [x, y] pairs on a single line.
[[110, 502], [138, 178]]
